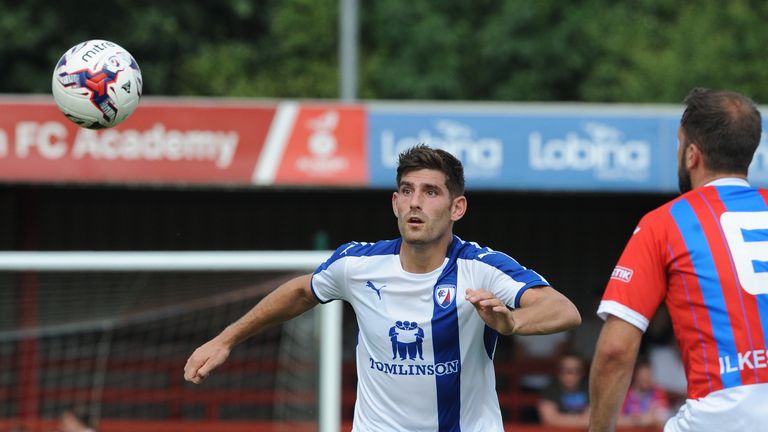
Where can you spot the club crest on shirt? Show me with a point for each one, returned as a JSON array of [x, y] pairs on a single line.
[[445, 295]]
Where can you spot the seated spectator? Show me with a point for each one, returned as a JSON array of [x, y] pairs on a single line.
[[646, 403], [668, 372], [660, 348], [539, 351], [583, 338], [70, 422], [565, 402]]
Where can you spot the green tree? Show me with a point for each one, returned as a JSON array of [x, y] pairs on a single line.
[[655, 51], [502, 50], [293, 56]]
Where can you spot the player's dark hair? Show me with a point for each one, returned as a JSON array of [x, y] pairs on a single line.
[[726, 126], [422, 156]]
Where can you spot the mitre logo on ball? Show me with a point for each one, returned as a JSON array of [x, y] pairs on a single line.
[[97, 84]]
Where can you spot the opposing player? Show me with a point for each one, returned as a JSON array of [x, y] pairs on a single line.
[[704, 254], [429, 307]]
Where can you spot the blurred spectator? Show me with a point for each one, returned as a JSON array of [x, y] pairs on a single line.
[[646, 403], [565, 402], [584, 337], [660, 349], [70, 422], [538, 352]]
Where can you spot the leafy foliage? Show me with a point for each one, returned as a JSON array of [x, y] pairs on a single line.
[[505, 50]]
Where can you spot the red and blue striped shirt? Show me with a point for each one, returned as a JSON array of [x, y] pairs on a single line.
[[705, 255]]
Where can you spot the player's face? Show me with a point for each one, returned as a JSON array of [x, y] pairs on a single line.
[[683, 175], [424, 208]]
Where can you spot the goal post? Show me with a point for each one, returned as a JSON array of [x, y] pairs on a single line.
[[330, 314], [162, 261]]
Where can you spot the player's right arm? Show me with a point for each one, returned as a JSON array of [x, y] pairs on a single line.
[[612, 367], [289, 300], [635, 290]]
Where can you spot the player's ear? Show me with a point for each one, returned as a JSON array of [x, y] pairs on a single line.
[[458, 208], [394, 203], [693, 156]]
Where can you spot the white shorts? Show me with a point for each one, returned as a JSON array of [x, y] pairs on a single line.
[[739, 409]]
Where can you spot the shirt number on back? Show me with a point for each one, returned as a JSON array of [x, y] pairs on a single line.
[[747, 237]]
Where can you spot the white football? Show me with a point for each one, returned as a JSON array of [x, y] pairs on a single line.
[[97, 84]]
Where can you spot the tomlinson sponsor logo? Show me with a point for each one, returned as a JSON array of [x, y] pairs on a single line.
[[603, 152], [622, 273], [482, 157], [446, 368], [407, 340]]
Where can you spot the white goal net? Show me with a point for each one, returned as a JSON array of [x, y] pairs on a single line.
[[106, 335]]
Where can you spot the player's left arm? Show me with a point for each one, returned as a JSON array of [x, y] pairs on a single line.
[[542, 310]]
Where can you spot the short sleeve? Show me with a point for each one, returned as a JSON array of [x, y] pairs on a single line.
[[509, 279], [328, 281], [638, 283]]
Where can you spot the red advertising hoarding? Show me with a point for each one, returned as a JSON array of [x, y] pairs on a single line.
[[184, 142], [324, 147]]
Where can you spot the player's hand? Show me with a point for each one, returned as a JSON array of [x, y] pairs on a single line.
[[492, 310], [206, 358]]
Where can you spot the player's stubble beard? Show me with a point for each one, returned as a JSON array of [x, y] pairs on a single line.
[[683, 177], [433, 230], [417, 237]]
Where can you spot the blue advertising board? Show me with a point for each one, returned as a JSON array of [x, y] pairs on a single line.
[[559, 151]]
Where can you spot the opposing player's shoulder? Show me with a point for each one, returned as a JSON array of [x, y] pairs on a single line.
[[659, 219]]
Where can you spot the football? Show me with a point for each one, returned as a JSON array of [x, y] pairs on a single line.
[[97, 84]]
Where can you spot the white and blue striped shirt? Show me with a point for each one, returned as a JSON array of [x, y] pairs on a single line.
[[424, 356]]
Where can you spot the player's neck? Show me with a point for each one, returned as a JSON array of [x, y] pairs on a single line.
[[706, 177], [424, 258]]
